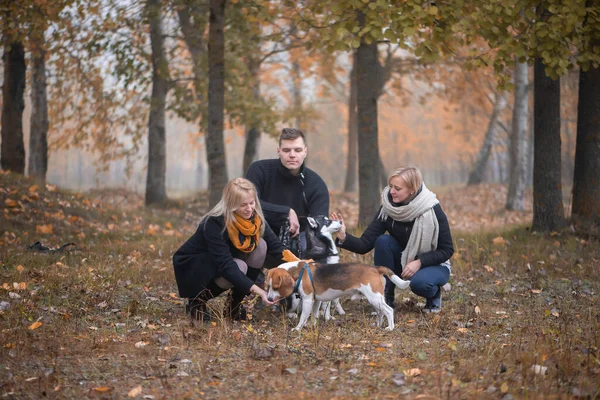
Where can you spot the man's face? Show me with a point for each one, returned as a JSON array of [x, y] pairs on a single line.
[[292, 154]]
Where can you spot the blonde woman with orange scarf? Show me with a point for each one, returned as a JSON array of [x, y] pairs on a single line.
[[227, 251]]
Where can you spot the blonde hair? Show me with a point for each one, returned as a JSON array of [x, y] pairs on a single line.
[[411, 175], [233, 196]]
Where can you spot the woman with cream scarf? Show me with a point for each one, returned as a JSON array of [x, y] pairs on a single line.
[[418, 244], [227, 251]]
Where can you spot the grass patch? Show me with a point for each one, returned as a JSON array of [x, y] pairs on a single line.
[[103, 320]]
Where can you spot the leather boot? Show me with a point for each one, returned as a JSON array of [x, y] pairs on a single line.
[[234, 309], [196, 307]]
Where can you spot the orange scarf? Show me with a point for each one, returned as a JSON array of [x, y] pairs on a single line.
[[245, 233]]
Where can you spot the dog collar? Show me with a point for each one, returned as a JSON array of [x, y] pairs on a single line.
[[299, 281]]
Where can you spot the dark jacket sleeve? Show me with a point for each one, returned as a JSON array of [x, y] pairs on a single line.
[[318, 197], [274, 246], [445, 247], [257, 175], [220, 255], [366, 242]]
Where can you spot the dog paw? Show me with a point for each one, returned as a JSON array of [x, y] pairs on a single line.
[[291, 315]]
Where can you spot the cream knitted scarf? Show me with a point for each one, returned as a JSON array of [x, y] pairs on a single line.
[[424, 235]]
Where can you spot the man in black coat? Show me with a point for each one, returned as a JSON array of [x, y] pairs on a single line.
[[287, 189]]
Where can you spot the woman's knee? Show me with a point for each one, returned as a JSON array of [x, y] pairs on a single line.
[[422, 287], [256, 259], [224, 283], [385, 243]]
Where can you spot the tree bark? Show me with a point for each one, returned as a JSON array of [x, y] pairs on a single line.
[[215, 143], [192, 20], [586, 179], [38, 134], [351, 156], [157, 154], [548, 209], [368, 142], [253, 133], [518, 142], [477, 173], [12, 153]]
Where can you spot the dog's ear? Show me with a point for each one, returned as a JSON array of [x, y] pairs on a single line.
[[286, 286], [311, 221]]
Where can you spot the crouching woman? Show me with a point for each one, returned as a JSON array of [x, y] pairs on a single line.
[[227, 251], [411, 236]]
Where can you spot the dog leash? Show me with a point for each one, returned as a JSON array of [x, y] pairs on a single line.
[[299, 281]]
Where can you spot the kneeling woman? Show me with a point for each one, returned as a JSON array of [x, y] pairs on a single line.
[[418, 245], [227, 251]]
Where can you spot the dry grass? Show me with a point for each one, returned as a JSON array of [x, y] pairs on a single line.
[[111, 324]]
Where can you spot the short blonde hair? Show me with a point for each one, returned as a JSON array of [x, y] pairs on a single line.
[[233, 196], [411, 175]]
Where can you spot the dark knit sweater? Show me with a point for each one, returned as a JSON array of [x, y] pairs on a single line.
[[401, 232], [279, 190]]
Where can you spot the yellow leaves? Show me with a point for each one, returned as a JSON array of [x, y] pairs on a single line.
[[102, 389], [477, 310], [136, 391], [536, 291], [44, 229], [20, 268], [35, 325], [504, 387], [11, 203], [153, 229], [499, 241], [412, 372], [488, 268], [433, 10]]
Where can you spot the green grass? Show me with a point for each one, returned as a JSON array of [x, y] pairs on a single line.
[[111, 321]]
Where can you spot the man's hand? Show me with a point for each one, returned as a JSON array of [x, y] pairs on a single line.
[[341, 234], [410, 269], [294, 223]]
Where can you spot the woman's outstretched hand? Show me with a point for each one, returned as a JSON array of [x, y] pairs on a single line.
[[262, 294], [341, 234]]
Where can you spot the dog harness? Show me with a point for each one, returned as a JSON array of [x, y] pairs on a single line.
[[299, 281]]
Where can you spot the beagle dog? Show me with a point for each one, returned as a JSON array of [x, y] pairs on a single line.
[[325, 282]]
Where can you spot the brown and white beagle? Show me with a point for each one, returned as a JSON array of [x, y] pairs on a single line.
[[325, 282]]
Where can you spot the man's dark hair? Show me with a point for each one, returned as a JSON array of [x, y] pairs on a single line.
[[291, 134]]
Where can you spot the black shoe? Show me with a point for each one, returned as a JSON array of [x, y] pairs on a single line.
[[197, 310], [234, 309]]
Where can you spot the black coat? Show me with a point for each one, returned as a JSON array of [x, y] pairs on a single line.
[[209, 254], [401, 232], [279, 190]]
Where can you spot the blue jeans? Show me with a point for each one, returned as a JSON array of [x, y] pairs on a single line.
[[426, 282]]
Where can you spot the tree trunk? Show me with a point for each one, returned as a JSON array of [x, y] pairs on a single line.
[[215, 143], [297, 95], [383, 178], [477, 173], [518, 142], [548, 210], [253, 133], [12, 153], [38, 134], [586, 179], [351, 164], [157, 155], [193, 25], [368, 143]]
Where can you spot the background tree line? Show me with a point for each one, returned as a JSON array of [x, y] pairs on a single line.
[[103, 76]]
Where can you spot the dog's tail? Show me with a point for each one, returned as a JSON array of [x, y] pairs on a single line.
[[401, 283]]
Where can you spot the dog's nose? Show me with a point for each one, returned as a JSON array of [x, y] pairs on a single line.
[[270, 298]]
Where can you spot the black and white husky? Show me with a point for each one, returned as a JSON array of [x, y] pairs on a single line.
[[323, 228]]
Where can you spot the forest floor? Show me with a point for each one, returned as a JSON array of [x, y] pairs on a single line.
[[102, 319]]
